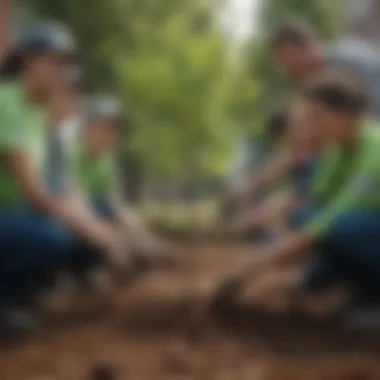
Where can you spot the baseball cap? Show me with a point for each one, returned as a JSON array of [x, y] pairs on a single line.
[[44, 37], [101, 106]]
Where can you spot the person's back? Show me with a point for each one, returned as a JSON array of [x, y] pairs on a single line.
[[349, 181]]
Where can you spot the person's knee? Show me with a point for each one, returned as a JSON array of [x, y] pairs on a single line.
[[350, 229], [352, 244], [318, 274], [57, 239]]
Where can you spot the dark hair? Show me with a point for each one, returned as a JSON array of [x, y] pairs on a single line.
[[10, 64], [14, 60], [292, 31], [338, 90], [278, 121]]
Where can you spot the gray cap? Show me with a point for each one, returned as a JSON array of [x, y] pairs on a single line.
[[101, 106], [49, 36], [44, 37]]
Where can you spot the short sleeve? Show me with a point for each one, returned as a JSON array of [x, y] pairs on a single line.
[[12, 124], [363, 184]]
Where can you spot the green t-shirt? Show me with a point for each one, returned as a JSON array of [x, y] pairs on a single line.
[[22, 126], [95, 175], [347, 181]]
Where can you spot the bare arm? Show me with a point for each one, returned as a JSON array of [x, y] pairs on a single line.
[[272, 172], [64, 210], [262, 215], [127, 217]]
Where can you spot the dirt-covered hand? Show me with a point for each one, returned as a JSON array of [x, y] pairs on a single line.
[[118, 253]]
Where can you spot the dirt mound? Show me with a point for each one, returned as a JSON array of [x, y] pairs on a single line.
[[159, 328]]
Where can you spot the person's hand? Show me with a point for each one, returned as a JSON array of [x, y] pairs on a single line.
[[154, 250], [235, 198], [228, 288], [292, 248], [247, 222], [241, 224], [117, 251], [231, 203]]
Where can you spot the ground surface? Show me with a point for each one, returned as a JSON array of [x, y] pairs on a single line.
[[157, 329]]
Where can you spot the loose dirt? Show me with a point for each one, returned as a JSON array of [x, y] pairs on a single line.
[[159, 328]]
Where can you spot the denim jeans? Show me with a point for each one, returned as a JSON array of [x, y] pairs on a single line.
[[85, 256], [350, 250], [318, 273], [352, 246], [32, 246]]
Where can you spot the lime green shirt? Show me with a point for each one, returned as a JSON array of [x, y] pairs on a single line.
[[95, 175], [22, 126], [347, 181]]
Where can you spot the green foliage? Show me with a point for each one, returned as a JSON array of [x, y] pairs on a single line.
[[166, 61], [171, 90], [169, 63]]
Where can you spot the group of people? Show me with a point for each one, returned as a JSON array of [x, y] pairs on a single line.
[[327, 145], [61, 219]]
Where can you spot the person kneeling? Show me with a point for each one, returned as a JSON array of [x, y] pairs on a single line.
[[96, 175], [339, 240], [294, 164]]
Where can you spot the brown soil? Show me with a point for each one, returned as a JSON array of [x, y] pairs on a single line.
[[158, 328]]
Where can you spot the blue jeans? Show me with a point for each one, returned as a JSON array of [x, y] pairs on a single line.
[[349, 251], [318, 273], [352, 247], [84, 256], [32, 246]]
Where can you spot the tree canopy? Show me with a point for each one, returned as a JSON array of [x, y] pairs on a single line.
[[168, 61]]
